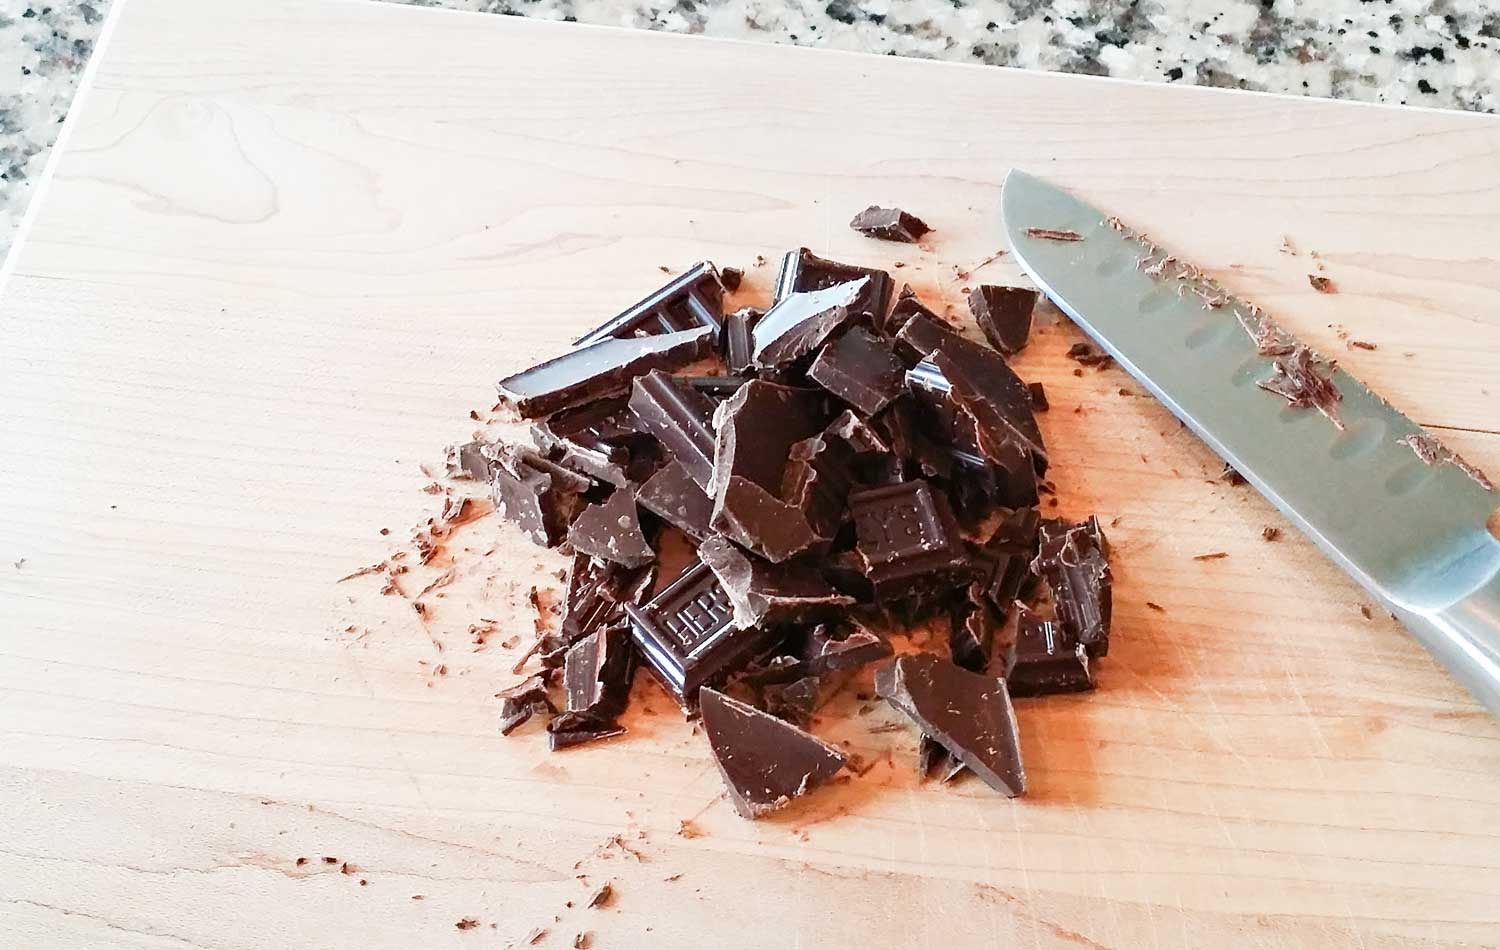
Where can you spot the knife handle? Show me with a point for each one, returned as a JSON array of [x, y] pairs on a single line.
[[1465, 638]]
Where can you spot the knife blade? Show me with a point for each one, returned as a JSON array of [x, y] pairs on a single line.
[[1410, 530]]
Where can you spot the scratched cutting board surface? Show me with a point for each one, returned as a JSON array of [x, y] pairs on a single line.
[[289, 246]]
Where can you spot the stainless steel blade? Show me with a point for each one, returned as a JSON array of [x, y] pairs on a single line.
[[1410, 532]]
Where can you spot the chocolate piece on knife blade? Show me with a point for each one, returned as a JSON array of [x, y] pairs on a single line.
[[889, 224], [907, 537], [764, 594], [539, 496], [687, 302], [1073, 561], [765, 762], [679, 417], [1003, 315], [518, 703], [861, 369], [969, 714], [676, 499], [907, 305], [971, 630], [799, 323], [802, 271], [1432, 451], [1305, 382], [612, 530], [599, 370], [687, 637], [757, 428], [739, 340], [1046, 659]]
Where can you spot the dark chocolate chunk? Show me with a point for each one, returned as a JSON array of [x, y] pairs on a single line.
[[730, 277], [472, 460], [1038, 397], [687, 302], [1046, 658], [971, 630], [846, 572], [597, 672], [907, 537], [906, 306], [996, 464], [757, 428], [833, 647], [765, 762], [1088, 355], [1073, 561], [739, 340], [969, 714], [1305, 382], [539, 496], [596, 592], [687, 636], [679, 416], [1003, 315], [764, 594], [599, 370], [889, 224], [802, 271], [857, 434], [861, 369], [676, 499], [799, 323], [612, 530], [518, 703], [793, 702]]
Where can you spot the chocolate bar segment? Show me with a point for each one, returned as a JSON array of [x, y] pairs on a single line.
[[679, 416], [1003, 315], [764, 594], [1073, 560], [539, 496], [800, 322], [611, 530], [599, 370], [765, 762], [802, 271], [907, 537], [687, 637], [676, 499], [861, 369], [969, 714], [889, 224], [1046, 658], [687, 302]]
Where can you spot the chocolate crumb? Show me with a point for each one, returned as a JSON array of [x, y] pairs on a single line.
[[1086, 354], [535, 937], [1361, 345], [301, 862], [687, 829], [1364, 610], [363, 882], [467, 923], [581, 941], [328, 860], [1269, 533], [1156, 606], [385, 531], [418, 897], [602, 896], [673, 877], [1211, 557], [1231, 476], [1054, 234], [474, 414], [1321, 284]]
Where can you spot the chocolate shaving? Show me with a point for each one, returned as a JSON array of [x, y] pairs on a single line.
[[1054, 234], [1433, 452], [1321, 284], [1305, 382]]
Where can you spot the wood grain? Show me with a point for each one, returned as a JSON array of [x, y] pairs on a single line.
[[290, 245]]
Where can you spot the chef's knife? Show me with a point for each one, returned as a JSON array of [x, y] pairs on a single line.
[[1411, 532]]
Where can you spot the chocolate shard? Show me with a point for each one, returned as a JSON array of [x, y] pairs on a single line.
[[857, 434], [471, 460], [1003, 315], [597, 590], [679, 416], [538, 495], [933, 757], [687, 636], [1046, 659], [861, 369], [907, 537], [597, 439], [599, 370], [1038, 397], [793, 702], [597, 673], [996, 401], [518, 703], [835, 647], [800, 322], [1006, 557], [1305, 382], [1072, 559], [581, 729], [688, 302], [739, 339], [907, 305], [802, 271], [846, 572], [971, 630], [765, 762], [764, 594], [757, 428], [969, 714], [676, 499], [889, 224], [611, 530]]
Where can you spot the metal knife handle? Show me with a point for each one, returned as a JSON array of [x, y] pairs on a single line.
[[1465, 637]]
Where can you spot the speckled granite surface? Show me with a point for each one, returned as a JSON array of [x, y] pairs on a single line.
[[1441, 53]]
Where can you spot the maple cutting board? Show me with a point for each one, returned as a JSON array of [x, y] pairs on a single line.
[[288, 246]]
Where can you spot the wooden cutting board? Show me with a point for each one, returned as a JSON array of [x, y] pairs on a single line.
[[288, 246]]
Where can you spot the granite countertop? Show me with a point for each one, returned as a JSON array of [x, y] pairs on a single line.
[[1438, 53]]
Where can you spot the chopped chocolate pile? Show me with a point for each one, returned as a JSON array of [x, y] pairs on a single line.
[[889, 224], [755, 502]]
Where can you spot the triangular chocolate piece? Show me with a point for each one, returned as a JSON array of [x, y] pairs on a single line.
[[611, 531], [969, 714], [765, 762]]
